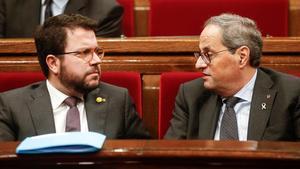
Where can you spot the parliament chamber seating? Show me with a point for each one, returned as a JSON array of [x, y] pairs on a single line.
[[128, 17], [129, 80], [169, 85], [151, 57], [12, 80], [186, 17], [295, 73]]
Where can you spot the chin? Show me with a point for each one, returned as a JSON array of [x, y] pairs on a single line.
[[208, 85], [93, 84]]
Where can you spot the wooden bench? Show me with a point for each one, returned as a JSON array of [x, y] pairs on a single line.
[[162, 154]]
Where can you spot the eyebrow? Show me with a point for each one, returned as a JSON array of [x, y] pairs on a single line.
[[205, 49]]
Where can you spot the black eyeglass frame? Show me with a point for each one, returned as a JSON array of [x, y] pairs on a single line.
[[206, 57]]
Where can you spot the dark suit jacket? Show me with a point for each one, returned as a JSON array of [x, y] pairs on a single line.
[[19, 18], [27, 112], [197, 110]]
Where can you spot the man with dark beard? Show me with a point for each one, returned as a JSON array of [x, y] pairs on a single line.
[[70, 58]]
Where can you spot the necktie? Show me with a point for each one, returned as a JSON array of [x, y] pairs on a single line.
[[229, 129], [48, 11], [73, 118]]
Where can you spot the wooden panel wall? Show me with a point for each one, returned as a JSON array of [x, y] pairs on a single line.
[[150, 56]]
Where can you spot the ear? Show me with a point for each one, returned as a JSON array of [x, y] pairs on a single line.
[[53, 64], [244, 55]]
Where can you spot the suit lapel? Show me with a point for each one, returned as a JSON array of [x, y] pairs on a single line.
[[261, 106], [96, 110], [41, 110], [28, 12], [208, 116], [75, 6]]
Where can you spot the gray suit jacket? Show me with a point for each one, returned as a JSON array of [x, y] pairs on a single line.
[[197, 110], [27, 112], [19, 18]]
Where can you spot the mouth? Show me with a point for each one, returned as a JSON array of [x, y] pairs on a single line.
[[93, 71], [205, 74], [93, 74]]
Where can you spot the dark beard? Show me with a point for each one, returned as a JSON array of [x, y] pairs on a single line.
[[75, 83]]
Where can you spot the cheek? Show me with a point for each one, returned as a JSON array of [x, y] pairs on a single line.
[[224, 69], [75, 69]]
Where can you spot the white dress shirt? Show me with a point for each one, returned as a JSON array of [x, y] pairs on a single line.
[[242, 110], [58, 7], [60, 110]]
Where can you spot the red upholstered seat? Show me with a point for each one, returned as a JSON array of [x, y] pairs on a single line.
[[295, 73], [12, 80], [129, 80], [186, 17], [169, 85], [128, 17]]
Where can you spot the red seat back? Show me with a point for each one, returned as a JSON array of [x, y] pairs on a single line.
[[186, 17], [12, 80], [129, 80], [128, 17], [295, 73], [169, 85]]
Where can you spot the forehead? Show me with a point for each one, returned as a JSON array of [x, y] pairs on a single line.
[[210, 37], [80, 38]]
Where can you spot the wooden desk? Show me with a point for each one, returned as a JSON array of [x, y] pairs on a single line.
[[156, 154], [150, 56]]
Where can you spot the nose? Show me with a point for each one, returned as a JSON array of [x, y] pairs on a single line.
[[200, 64], [95, 59]]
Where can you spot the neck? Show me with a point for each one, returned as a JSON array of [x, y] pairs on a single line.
[[70, 91], [245, 76]]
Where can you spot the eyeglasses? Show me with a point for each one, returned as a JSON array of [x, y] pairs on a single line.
[[207, 56], [87, 54]]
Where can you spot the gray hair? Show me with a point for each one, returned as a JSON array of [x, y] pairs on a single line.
[[239, 31]]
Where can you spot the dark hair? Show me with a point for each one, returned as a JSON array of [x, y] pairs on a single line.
[[239, 31], [50, 38]]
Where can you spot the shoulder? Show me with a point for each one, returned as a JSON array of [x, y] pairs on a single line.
[[193, 85], [108, 88], [25, 90], [194, 89], [286, 84], [103, 4], [23, 94], [281, 78]]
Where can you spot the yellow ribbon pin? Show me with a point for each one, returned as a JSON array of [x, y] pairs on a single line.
[[100, 100]]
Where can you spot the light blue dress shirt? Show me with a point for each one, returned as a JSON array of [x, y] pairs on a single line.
[[242, 110], [58, 7]]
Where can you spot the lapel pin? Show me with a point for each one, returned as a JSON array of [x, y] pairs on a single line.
[[268, 96], [100, 100], [263, 106]]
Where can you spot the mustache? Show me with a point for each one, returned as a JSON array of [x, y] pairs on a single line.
[[95, 69]]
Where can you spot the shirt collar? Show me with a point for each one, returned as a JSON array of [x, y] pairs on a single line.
[[56, 96], [246, 92], [60, 3]]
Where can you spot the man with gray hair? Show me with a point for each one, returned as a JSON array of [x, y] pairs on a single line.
[[235, 99]]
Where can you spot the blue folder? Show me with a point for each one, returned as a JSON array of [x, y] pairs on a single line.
[[69, 142]]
